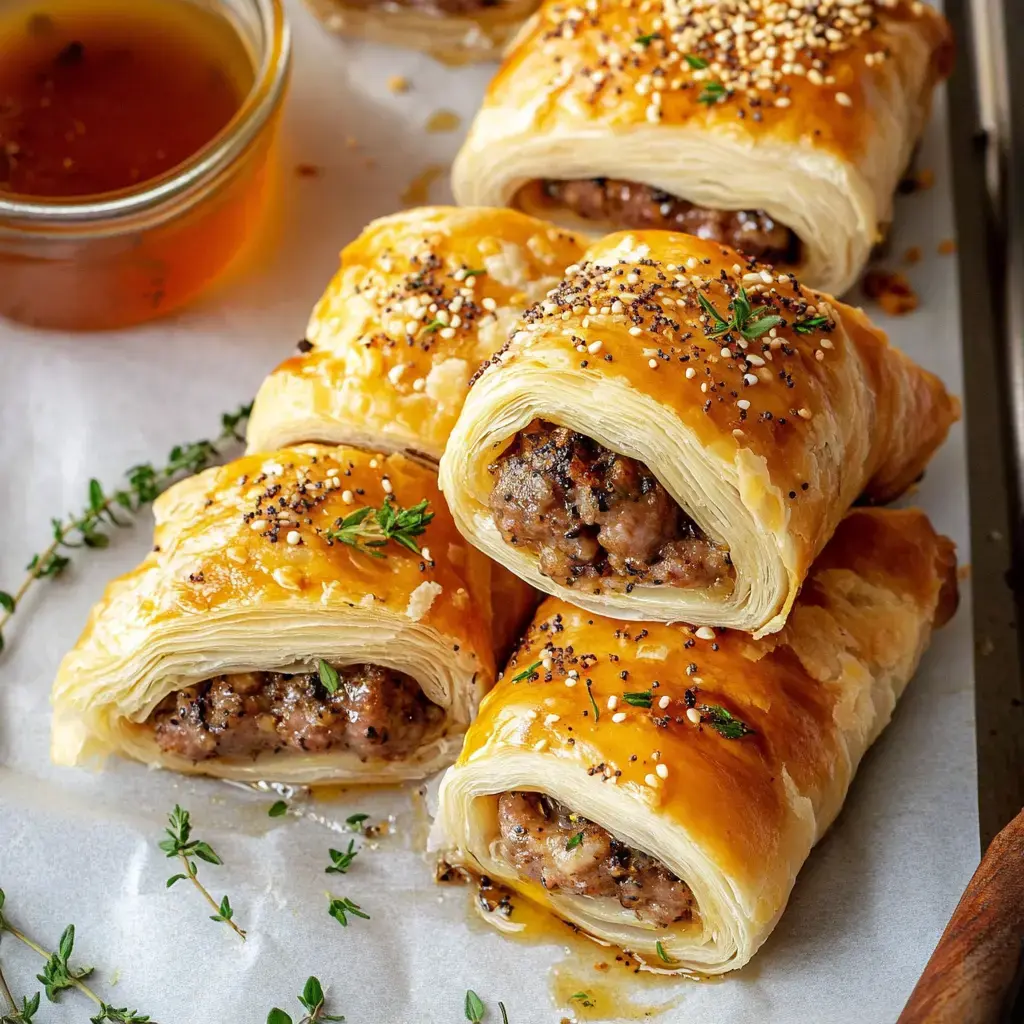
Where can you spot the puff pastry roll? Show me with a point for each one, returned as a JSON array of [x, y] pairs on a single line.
[[422, 298], [675, 433], [660, 786], [780, 129], [256, 642], [453, 31]]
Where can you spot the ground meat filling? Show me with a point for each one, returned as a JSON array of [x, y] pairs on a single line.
[[590, 513], [546, 842], [625, 204], [374, 713]]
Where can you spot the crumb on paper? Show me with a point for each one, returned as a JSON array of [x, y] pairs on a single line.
[[963, 571], [920, 181], [891, 290], [913, 255], [947, 246], [398, 84], [308, 170], [443, 121], [417, 192]]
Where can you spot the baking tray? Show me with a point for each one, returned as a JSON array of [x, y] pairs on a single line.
[[987, 145]]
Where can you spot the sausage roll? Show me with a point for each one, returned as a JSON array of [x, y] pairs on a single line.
[[781, 129], [660, 786], [675, 433], [280, 629], [453, 31], [422, 298]]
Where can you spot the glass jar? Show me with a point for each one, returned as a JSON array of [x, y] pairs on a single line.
[[126, 257]]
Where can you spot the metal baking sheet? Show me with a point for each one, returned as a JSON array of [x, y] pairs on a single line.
[[81, 847]]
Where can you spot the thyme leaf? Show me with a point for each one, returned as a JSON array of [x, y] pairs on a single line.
[[723, 722], [639, 699], [313, 1002], [526, 673], [339, 909]]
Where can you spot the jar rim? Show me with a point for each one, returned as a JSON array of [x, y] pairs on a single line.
[[220, 152]]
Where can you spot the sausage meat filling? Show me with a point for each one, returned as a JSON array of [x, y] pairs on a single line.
[[627, 204], [589, 513], [374, 713], [546, 842]]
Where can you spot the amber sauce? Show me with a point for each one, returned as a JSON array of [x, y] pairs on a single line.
[[98, 99], [102, 96]]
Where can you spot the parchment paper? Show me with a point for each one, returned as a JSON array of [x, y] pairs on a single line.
[[80, 847]]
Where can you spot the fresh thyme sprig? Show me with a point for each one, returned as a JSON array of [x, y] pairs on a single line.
[[662, 955], [339, 909], [526, 673], [58, 975], [341, 860], [742, 321], [639, 698], [723, 722], [712, 93], [369, 529], [810, 324], [29, 1004], [179, 843], [313, 1002], [144, 483]]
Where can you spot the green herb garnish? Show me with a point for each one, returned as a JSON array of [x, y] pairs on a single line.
[[339, 909], [57, 975], [179, 843], [574, 841], [342, 861], [368, 529], [144, 483], [712, 93], [277, 809], [640, 699], [583, 998], [526, 673], [646, 40], [434, 325], [695, 62], [724, 723], [475, 273], [355, 821], [810, 324], [312, 1000], [593, 704], [743, 319], [329, 678], [662, 955]]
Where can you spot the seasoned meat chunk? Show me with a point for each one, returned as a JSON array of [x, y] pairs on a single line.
[[375, 712], [588, 512], [626, 204], [545, 841]]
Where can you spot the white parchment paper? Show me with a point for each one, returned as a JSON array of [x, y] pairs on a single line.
[[80, 847]]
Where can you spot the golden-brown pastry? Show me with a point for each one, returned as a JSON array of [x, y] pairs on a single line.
[[779, 129], [271, 635], [675, 433], [660, 786], [422, 298], [453, 31]]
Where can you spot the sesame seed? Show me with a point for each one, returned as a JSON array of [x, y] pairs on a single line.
[[693, 715], [619, 716], [804, 414], [570, 681], [743, 404], [293, 537], [690, 373], [594, 347], [425, 553], [705, 633], [662, 770], [652, 363], [540, 745], [386, 484], [551, 719], [573, 674], [725, 354], [843, 100], [373, 463], [612, 702], [332, 472], [258, 524], [749, 379], [636, 331], [663, 702], [651, 780], [489, 304], [348, 497]]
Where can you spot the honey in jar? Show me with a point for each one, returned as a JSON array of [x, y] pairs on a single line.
[[134, 137]]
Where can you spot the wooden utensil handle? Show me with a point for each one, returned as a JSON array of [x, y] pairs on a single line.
[[974, 976]]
